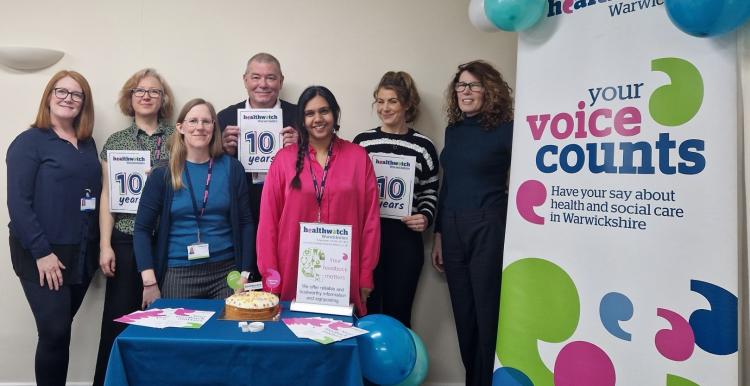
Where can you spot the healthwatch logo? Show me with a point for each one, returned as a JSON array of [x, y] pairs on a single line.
[[616, 7]]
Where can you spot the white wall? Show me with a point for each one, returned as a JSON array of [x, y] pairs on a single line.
[[201, 48]]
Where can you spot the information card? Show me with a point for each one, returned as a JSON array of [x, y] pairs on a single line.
[[324, 268]]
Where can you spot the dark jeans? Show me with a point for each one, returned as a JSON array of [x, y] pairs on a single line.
[[53, 312], [123, 296], [472, 244], [397, 273]]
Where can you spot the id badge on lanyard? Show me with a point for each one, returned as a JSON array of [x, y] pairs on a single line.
[[88, 203], [197, 251]]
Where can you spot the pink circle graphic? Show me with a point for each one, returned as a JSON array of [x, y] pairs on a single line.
[[531, 194], [583, 364]]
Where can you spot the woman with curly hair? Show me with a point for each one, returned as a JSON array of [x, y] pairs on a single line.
[[470, 227]]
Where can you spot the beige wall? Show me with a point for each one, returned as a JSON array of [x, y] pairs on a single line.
[[201, 49]]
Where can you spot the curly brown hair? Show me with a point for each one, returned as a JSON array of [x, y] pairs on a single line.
[[498, 102]]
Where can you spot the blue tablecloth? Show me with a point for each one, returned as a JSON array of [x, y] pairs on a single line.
[[219, 353]]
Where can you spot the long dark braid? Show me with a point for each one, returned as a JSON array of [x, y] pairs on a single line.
[[301, 150], [310, 93]]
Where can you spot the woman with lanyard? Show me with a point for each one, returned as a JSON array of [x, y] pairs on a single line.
[[147, 98], [54, 179], [401, 247], [323, 179], [470, 229], [199, 202]]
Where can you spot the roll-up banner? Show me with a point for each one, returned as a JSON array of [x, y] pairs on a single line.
[[621, 253]]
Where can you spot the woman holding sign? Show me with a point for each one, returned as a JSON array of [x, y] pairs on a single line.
[[54, 180], [199, 204], [324, 180], [470, 228], [148, 99], [401, 247]]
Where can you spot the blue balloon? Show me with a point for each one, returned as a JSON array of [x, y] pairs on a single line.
[[421, 365], [708, 17], [508, 376], [387, 352], [514, 15]]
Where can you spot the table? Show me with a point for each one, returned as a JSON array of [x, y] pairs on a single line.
[[219, 353]]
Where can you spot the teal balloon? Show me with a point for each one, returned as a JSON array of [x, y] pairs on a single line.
[[514, 15], [421, 365], [387, 352], [705, 18]]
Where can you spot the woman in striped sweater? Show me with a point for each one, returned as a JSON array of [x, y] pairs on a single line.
[[401, 247]]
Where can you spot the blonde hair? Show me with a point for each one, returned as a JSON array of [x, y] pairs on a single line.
[[84, 122], [177, 148], [125, 101]]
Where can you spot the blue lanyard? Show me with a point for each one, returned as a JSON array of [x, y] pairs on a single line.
[[199, 214]]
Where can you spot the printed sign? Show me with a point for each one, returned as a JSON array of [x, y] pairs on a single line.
[[260, 137], [621, 251], [395, 177], [324, 264], [127, 175]]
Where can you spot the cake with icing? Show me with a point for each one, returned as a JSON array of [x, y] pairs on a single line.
[[251, 305]]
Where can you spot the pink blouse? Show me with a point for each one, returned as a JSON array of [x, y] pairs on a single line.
[[350, 198]]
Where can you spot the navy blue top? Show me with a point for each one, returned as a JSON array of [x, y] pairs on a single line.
[[47, 177], [214, 224], [154, 218], [476, 165]]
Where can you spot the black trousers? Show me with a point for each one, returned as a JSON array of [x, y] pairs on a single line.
[[472, 244], [53, 313], [123, 295], [397, 273]]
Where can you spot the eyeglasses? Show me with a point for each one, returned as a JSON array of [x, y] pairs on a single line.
[[473, 86], [195, 122], [152, 92], [62, 93]]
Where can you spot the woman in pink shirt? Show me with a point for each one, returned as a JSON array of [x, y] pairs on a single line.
[[324, 179]]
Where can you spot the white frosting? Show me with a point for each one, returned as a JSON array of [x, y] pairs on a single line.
[[253, 300]]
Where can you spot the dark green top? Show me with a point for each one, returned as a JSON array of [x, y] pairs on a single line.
[[134, 138]]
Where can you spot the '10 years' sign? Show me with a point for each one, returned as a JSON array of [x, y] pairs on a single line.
[[127, 175], [260, 137], [395, 178]]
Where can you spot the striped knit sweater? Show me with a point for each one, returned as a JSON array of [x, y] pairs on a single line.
[[414, 144]]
